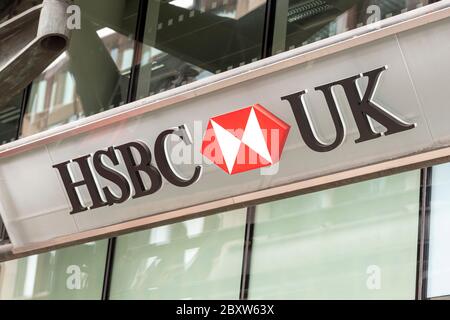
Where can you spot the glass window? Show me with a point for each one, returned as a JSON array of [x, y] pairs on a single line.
[[9, 119], [3, 233], [9, 127], [93, 74], [438, 279], [186, 40], [11, 8], [300, 22], [353, 242], [70, 273], [195, 259]]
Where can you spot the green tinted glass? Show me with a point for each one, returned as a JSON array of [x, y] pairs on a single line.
[[300, 22], [70, 273], [93, 74], [195, 259], [187, 40], [353, 242]]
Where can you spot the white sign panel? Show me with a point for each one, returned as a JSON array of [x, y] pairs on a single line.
[[375, 102]]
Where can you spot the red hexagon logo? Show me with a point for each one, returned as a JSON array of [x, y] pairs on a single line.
[[245, 139]]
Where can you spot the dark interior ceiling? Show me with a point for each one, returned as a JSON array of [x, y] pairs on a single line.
[[212, 42], [11, 8]]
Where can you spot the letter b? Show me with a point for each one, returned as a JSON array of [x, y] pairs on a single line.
[[144, 166]]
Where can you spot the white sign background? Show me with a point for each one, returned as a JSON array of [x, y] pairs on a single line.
[[416, 87]]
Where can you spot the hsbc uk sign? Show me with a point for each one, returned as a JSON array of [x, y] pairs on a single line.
[[238, 141]]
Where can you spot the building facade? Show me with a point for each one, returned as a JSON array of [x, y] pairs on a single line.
[[118, 180]]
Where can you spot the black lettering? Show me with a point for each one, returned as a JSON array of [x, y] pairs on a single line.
[[144, 166], [71, 186], [163, 163], [364, 107], [111, 175], [305, 126]]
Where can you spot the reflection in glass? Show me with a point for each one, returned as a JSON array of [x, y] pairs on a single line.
[[10, 119], [187, 40], [93, 74], [353, 242], [300, 22], [70, 273], [438, 273], [11, 8], [195, 259], [3, 233]]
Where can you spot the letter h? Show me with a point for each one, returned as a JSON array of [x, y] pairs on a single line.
[[71, 186]]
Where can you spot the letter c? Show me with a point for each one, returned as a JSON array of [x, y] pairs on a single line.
[[162, 158]]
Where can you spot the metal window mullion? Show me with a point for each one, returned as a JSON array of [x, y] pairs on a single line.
[[23, 109], [131, 96], [269, 28], [267, 44], [247, 253], [424, 234], [107, 277], [137, 53]]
